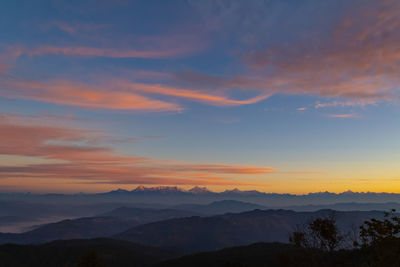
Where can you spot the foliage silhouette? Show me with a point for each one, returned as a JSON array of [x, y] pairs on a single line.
[[320, 233], [375, 231]]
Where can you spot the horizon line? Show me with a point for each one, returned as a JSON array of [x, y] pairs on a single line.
[[180, 189]]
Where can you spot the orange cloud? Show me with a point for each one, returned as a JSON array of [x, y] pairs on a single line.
[[114, 94], [76, 161], [194, 95], [83, 95], [231, 169]]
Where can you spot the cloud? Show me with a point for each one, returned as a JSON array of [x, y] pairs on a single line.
[[351, 115], [72, 28], [230, 169], [356, 60], [172, 45], [83, 95], [69, 156], [209, 97], [84, 51], [3, 67], [352, 103], [301, 109], [115, 94], [359, 62]]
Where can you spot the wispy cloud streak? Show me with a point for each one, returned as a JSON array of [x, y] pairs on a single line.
[[351, 115], [117, 95], [76, 160]]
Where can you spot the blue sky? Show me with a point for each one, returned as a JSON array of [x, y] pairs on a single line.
[[279, 96]]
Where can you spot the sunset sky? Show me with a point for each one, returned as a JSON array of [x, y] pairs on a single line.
[[278, 96]]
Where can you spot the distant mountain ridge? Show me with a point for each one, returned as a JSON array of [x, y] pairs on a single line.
[[202, 190], [103, 225], [221, 207], [194, 234], [159, 196], [175, 189]]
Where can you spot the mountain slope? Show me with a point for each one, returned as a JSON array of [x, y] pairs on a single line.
[[147, 215], [106, 225], [193, 234], [259, 254], [70, 229], [221, 207], [285, 255]]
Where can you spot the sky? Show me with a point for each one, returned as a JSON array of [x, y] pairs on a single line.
[[277, 96]]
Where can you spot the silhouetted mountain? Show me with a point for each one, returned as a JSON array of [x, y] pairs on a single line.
[[141, 189], [106, 225], [210, 233], [259, 254], [221, 207], [350, 206], [21, 212], [71, 229], [197, 195], [285, 255], [199, 190], [16, 215], [148, 215], [104, 252]]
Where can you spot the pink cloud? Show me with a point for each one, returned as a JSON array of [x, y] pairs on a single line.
[[209, 97], [72, 28], [117, 95], [104, 52], [80, 162], [160, 46], [351, 115], [358, 64], [84, 95], [3, 67], [352, 103]]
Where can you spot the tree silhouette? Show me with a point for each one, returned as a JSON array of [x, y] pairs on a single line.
[[376, 231], [320, 233]]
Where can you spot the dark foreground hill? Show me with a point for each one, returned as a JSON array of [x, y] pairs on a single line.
[[110, 253], [285, 255], [194, 234], [108, 224], [71, 253], [259, 254]]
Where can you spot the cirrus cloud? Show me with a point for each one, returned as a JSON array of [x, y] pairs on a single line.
[[350, 115], [70, 157], [357, 61]]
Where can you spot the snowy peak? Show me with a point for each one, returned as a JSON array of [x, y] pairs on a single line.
[[199, 190], [161, 189]]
